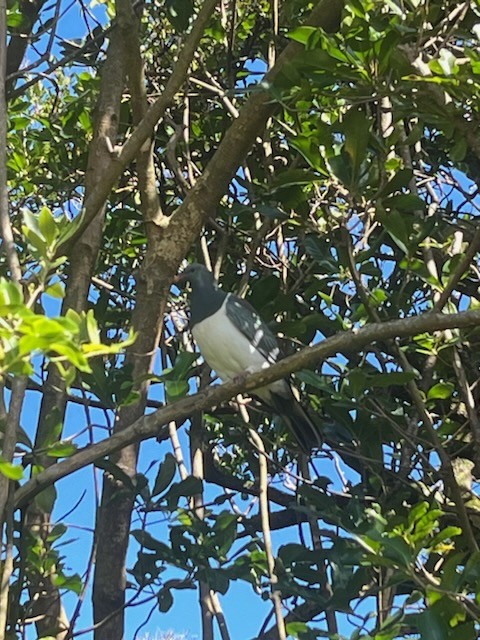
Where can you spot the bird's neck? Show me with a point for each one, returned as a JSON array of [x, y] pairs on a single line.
[[204, 302]]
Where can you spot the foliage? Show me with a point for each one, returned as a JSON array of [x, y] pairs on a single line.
[[357, 203]]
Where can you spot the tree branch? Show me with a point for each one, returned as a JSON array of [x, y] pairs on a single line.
[[21, 37], [459, 272], [156, 424], [114, 515], [275, 593]]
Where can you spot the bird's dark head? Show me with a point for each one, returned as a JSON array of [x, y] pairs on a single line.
[[198, 275]]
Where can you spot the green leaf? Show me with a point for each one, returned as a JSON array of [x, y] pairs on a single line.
[[309, 148], [176, 389], [431, 626], [55, 290], [10, 293], [303, 34], [31, 222], [459, 149], [11, 471], [356, 127], [341, 165], [398, 550], [225, 528], [71, 583], [394, 223], [46, 499], [393, 378], [57, 532], [314, 379], [70, 227], [191, 486], [37, 245], [165, 475], [295, 628], [183, 364], [14, 17], [405, 202], [92, 327], [440, 391], [147, 541], [472, 568], [61, 449], [445, 534], [292, 552], [179, 13], [85, 121], [47, 226], [116, 472], [294, 177]]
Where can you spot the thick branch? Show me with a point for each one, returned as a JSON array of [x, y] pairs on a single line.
[[114, 515], [11, 422], [19, 41], [155, 424]]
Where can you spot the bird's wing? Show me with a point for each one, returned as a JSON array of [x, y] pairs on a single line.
[[248, 322], [280, 396]]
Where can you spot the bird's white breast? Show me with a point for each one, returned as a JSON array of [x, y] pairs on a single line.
[[224, 347]]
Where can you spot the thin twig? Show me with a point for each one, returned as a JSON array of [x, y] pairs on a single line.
[[7, 565], [267, 538], [460, 270], [325, 586], [197, 504], [209, 602], [275, 594]]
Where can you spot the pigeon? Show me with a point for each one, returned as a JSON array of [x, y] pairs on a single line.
[[234, 340]]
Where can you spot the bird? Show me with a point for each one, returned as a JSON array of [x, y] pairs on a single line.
[[234, 340]]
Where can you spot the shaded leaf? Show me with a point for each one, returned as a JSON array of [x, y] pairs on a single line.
[[166, 473]]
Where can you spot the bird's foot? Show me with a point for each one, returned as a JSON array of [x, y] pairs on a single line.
[[241, 377]]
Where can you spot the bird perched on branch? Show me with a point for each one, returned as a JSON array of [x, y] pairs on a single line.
[[234, 340]]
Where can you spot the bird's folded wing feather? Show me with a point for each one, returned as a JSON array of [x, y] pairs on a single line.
[[247, 320]]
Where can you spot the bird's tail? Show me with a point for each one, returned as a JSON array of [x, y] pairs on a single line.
[[304, 430]]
